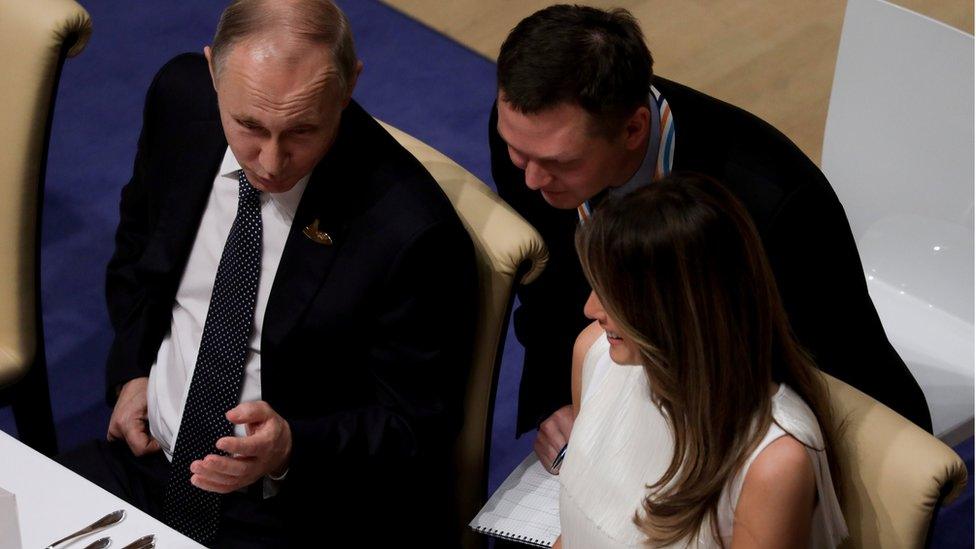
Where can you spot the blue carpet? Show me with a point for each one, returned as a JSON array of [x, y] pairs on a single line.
[[953, 526], [414, 78]]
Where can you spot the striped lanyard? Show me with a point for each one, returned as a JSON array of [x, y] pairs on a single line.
[[665, 149]]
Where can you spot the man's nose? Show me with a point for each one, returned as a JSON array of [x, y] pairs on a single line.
[[535, 177], [272, 160]]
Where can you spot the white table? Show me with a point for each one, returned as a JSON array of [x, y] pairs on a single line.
[[53, 501]]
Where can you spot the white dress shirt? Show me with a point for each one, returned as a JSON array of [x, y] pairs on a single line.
[[169, 378]]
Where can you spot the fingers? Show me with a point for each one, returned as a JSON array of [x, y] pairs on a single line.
[[114, 429], [223, 470], [249, 446], [135, 433], [223, 474], [563, 419], [265, 427], [547, 449], [153, 446], [118, 423], [130, 413], [553, 435], [544, 452], [250, 412], [134, 387], [137, 437], [222, 465], [212, 485], [137, 441], [149, 446]]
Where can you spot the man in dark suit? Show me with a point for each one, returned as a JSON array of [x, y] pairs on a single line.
[[580, 118], [293, 300]]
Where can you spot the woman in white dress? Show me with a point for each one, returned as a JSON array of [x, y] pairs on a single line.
[[700, 421]]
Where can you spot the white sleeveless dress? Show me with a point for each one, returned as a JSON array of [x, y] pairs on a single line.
[[621, 442]]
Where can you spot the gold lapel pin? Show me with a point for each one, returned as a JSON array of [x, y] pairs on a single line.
[[315, 235]]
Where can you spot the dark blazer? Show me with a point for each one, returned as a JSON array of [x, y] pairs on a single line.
[[365, 343], [804, 230]]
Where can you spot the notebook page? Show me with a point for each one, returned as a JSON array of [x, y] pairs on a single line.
[[525, 507]]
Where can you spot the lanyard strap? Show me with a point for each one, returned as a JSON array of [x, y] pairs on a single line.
[[664, 155]]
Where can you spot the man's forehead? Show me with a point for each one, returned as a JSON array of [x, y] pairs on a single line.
[[265, 51], [554, 133], [256, 72], [249, 115], [277, 99]]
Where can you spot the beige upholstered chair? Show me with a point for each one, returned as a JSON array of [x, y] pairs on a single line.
[[35, 38], [509, 252], [897, 475]]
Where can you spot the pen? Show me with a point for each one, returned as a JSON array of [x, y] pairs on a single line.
[[559, 459]]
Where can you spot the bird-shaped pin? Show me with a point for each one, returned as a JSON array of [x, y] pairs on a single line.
[[315, 235]]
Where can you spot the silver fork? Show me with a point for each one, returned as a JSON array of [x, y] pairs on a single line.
[[99, 524], [145, 542], [99, 544]]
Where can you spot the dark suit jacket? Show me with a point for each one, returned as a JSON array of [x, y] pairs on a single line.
[[804, 230], [365, 343]]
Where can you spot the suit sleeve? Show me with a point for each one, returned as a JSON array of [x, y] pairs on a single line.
[[550, 311], [821, 281], [125, 295], [418, 363]]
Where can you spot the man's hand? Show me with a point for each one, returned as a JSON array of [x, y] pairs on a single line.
[[128, 420], [553, 435], [264, 451]]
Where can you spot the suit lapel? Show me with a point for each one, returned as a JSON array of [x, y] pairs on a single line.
[[305, 263], [186, 177]]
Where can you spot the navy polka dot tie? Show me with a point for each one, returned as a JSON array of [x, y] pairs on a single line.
[[219, 372]]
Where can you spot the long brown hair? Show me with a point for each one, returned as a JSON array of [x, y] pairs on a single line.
[[680, 268]]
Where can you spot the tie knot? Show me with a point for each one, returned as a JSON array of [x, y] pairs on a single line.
[[245, 189]]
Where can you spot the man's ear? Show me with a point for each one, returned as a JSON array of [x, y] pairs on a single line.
[[208, 53], [352, 83], [636, 128]]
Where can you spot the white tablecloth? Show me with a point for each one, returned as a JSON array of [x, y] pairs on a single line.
[[53, 502]]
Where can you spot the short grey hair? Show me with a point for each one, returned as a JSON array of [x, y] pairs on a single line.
[[317, 21]]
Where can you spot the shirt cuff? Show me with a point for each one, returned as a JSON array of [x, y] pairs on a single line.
[[279, 477], [270, 485]]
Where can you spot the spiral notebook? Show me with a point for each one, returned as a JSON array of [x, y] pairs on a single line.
[[525, 508]]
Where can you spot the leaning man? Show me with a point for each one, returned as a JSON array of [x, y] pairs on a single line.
[[292, 297], [581, 119]]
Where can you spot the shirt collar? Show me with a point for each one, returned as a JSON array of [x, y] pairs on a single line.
[[287, 201], [645, 174]]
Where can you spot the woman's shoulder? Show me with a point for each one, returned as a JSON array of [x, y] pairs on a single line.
[[585, 340], [778, 495], [796, 418], [586, 351], [784, 450], [783, 462]]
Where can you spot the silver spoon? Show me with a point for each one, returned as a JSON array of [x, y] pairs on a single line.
[[104, 522]]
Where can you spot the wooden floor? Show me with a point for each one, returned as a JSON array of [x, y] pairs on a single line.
[[774, 58]]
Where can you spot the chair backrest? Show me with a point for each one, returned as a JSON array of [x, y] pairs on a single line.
[[898, 150], [896, 474], [35, 37], [509, 251]]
